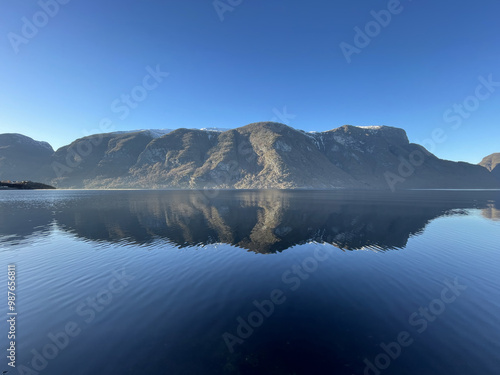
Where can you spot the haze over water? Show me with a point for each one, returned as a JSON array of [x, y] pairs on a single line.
[[248, 282]]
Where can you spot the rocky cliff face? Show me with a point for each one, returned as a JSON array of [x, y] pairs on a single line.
[[260, 155]]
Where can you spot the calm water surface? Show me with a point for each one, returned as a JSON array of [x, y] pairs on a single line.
[[163, 282]]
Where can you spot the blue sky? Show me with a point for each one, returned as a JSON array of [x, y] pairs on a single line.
[[249, 61]]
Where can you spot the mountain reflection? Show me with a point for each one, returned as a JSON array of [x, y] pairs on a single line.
[[260, 221]]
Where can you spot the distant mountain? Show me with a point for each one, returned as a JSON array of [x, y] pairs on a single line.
[[22, 158], [259, 155], [24, 185], [491, 161]]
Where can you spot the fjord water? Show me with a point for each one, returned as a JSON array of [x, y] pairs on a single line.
[[249, 282]]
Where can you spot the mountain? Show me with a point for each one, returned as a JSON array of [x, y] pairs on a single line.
[[260, 155], [24, 185], [492, 163], [101, 157], [22, 158]]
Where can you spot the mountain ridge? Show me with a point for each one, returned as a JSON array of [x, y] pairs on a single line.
[[264, 155]]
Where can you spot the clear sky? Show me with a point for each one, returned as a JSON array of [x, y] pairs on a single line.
[[254, 60]]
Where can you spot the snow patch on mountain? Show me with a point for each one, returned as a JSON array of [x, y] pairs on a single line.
[[220, 130], [370, 127]]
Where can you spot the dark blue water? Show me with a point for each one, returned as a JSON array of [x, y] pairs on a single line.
[[158, 282]]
